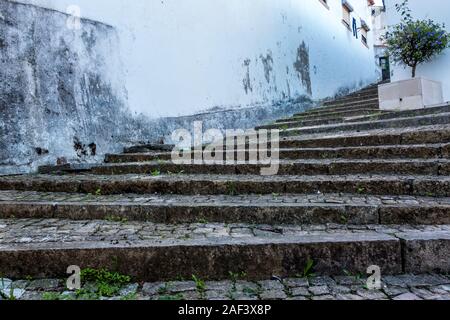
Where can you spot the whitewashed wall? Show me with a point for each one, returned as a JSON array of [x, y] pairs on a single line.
[[439, 69], [185, 56]]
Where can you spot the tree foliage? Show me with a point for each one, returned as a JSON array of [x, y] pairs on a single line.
[[412, 42]]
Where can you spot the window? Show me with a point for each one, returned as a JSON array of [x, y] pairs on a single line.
[[325, 3], [347, 9], [364, 31]]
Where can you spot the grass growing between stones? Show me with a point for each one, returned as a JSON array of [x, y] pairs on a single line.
[[97, 284]]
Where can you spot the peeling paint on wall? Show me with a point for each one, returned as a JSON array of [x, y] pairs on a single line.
[[247, 82], [267, 61], [301, 65]]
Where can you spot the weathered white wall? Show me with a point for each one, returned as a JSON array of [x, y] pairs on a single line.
[[438, 69], [185, 56]]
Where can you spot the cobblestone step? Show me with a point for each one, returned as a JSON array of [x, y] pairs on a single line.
[[343, 287], [434, 167], [435, 186], [404, 114], [371, 117], [377, 137], [435, 151], [349, 99], [332, 115], [161, 252], [372, 105], [438, 119], [355, 95], [351, 103], [260, 209], [149, 148]]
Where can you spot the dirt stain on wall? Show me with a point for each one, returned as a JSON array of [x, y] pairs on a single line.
[[301, 65], [267, 61], [247, 82]]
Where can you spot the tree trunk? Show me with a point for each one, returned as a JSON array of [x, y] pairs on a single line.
[[414, 67]]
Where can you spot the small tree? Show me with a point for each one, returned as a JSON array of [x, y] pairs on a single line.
[[412, 42]]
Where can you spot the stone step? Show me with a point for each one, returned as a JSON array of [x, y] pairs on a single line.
[[323, 111], [430, 287], [294, 122], [161, 252], [436, 134], [402, 114], [288, 209], [431, 151], [434, 167], [428, 120], [435, 186], [377, 137], [350, 104], [368, 90], [350, 99], [149, 148], [334, 115]]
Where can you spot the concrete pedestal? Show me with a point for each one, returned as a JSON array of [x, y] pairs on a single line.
[[411, 94]]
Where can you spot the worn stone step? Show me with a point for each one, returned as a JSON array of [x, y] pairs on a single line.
[[149, 148], [438, 119], [285, 167], [287, 209], [369, 90], [377, 137], [432, 151], [402, 114], [334, 115], [323, 111], [162, 252], [371, 116], [302, 123], [435, 186], [430, 287], [349, 99], [351, 103]]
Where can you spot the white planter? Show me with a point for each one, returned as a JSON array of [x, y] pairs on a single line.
[[412, 94]]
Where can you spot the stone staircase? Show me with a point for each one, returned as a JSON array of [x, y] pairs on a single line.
[[356, 187]]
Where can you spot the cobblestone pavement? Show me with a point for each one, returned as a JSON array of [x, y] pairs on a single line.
[[385, 131], [275, 199], [34, 231], [403, 287]]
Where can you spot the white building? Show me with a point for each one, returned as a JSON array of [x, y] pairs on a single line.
[[187, 56], [155, 66], [438, 69]]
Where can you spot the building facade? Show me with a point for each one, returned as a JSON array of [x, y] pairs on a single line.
[[229, 63], [438, 69]]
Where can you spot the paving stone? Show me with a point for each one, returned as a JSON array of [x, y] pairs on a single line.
[[273, 294], [340, 289], [20, 284], [353, 297], [129, 289], [325, 297], [395, 291], [371, 294], [44, 284], [12, 293], [271, 285], [319, 290], [5, 283], [300, 291], [407, 296], [321, 281], [296, 282], [151, 289], [32, 296]]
